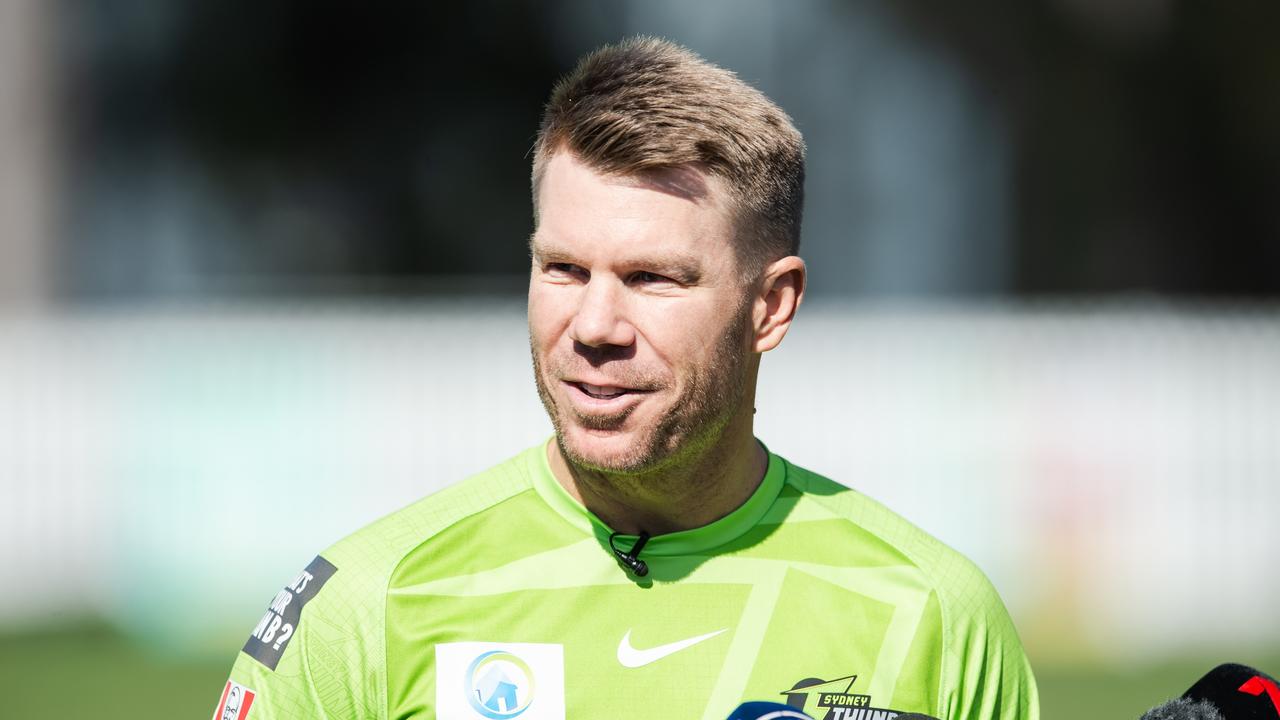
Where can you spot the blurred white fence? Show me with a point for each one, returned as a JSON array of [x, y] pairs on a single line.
[[1115, 470]]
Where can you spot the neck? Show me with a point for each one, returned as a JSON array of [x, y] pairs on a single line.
[[682, 495]]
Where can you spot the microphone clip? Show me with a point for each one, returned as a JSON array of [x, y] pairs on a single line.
[[631, 560]]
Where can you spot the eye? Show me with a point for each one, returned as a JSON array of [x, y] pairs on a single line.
[[648, 278], [564, 270]]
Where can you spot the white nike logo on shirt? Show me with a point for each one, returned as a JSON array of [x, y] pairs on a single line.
[[633, 658]]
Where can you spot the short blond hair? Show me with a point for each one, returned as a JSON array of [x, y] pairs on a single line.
[[647, 104]]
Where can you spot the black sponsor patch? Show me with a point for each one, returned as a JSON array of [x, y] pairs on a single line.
[[271, 636]]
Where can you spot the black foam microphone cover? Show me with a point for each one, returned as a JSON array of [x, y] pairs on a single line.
[[1239, 692], [1184, 709]]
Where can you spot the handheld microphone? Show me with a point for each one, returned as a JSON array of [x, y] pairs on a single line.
[[1184, 709], [761, 710], [1227, 692]]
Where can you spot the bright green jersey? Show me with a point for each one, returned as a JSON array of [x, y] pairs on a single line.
[[500, 598]]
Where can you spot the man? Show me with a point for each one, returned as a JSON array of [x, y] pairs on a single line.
[[653, 559]]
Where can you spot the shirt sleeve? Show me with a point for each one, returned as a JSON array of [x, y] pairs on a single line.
[[987, 675], [287, 693], [304, 659]]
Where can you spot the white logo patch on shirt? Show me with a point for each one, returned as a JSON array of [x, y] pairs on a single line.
[[499, 681]]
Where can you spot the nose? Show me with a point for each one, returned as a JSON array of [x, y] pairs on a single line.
[[601, 316]]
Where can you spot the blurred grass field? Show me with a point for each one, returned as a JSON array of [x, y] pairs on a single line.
[[90, 670]]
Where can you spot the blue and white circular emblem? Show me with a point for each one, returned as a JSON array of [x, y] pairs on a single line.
[[499, 685]]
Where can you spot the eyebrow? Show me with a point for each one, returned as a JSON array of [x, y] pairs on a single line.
[[683, 267]]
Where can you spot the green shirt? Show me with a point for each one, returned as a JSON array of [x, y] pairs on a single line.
[[500, 598]]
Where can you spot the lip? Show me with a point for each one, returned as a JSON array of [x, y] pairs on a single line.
[[579, 396]]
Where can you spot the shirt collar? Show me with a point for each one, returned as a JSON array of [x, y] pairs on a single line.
[[685, 542]]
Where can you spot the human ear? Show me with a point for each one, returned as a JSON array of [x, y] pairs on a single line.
[[778, 295]]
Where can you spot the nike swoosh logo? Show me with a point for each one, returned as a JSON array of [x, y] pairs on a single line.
[[633, 658]]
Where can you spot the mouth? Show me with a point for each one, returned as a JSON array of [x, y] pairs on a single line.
[[602, 392], [603, 397]]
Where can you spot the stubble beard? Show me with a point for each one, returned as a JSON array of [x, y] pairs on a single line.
[[690, 427]]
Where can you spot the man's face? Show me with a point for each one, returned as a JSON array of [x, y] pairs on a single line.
[[638, 316]]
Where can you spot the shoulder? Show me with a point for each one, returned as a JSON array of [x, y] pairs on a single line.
[[975, 632], [952, 575], [366, 559], [322, 636], [984, 670]]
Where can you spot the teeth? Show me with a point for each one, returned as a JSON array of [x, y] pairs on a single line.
[[601, 391]]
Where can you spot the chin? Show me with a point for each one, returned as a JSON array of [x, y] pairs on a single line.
[[608, 451]]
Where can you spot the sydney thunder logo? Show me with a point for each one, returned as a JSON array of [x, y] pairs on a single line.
[[813, 694]]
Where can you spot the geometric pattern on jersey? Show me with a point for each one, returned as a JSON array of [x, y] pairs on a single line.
[[808, 584]]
